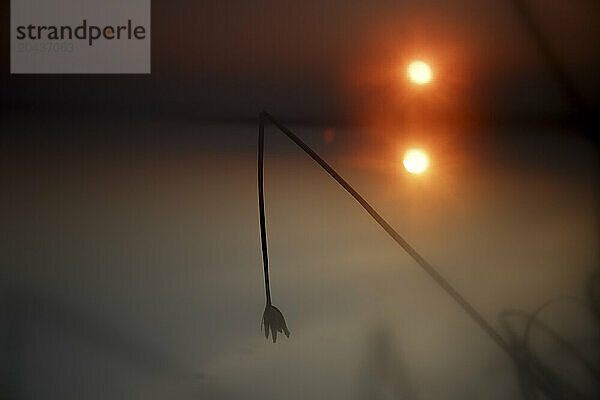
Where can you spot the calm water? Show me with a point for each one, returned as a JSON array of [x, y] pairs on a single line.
[[132, 268]]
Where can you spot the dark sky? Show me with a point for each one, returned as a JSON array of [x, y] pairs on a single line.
[[333, 60]]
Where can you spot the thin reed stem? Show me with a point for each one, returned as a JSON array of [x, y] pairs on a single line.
[[437, 277], [261, 207]]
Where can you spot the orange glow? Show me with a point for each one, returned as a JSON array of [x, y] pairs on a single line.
[[415, 161], [419, 72]]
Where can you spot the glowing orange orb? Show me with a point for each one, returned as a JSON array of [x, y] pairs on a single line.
[[419, 72], [415, 161]]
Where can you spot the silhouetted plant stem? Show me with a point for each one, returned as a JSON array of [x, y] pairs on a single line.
[[261, 207], [573, 95], [272, 320], [534, 320], [536, 375], [378, 218]]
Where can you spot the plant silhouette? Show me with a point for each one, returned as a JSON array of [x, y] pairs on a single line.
[[538, 379], [272, 320], [533, 375]]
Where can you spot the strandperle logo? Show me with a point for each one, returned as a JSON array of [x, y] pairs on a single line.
[[80, 36], [81, 32]]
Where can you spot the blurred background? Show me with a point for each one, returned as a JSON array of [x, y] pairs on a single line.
[[130, 248]]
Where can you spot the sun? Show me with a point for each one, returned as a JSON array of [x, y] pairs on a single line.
[[415, 161], [419, 72]]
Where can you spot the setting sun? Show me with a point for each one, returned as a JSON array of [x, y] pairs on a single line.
[[415, 161], [419, 72]]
